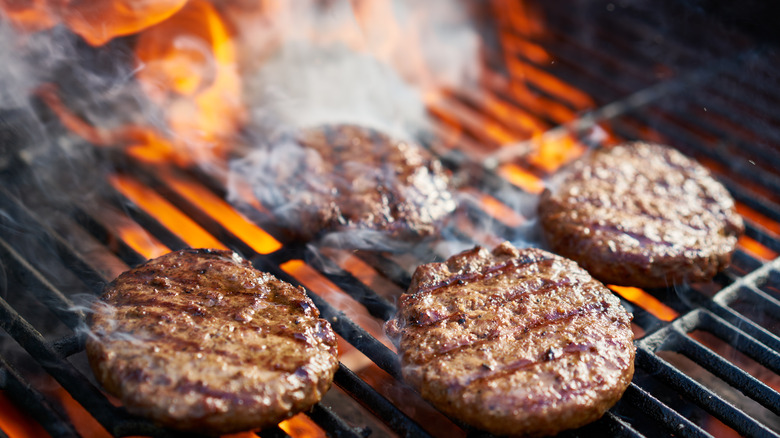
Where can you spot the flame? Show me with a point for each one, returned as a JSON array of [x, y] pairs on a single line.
[[517, 89], [521, 178], [756, 249], [16, 423], [142, 143], [101, 21], [302, 426], [551, 152], [512, 115], [141, 242], [518, 45], [168, 215], [131, 233], [223, 213], [98, 22], [646, 301], [754, 216], [189, 69], [30, 15], [187, 66], [521, 17], [497, 209], [81, 419]]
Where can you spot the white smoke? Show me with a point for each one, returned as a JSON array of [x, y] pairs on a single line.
[[366, 63]]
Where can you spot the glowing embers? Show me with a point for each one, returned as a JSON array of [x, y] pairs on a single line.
[[497, 209], [752, 246], [223, 213], [16, 423], [301, 426], [756, 249], [168, 215], [646, 301], [131, 233], [82, 420], [522, 178]]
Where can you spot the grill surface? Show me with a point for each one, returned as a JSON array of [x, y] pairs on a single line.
[[596, 72]]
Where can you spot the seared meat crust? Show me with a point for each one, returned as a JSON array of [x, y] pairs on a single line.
[[514, 342], [641, 214], [351, 178], [200, 341]]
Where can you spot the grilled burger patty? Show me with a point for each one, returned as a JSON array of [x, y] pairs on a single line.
[[514, 342], [199, 340], [347, 178], [641, 214]]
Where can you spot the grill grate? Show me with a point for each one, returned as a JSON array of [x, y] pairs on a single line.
[[660, 92]]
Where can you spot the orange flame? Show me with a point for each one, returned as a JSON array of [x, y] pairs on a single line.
[[224, 213], [756, 249], [30, 16], [15, 423], [169, 216], [84, 423], [522, 178], [302, 426], [551, 152], [497, 209], [98, 22], [646, 301], [189, 68]]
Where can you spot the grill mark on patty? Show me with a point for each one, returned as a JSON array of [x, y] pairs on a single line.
[[258, 328], [473, 276], [493, 301], [544, 321], [522, 364], [140, 307]]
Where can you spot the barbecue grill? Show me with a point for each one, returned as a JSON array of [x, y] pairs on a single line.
[[557, 80]]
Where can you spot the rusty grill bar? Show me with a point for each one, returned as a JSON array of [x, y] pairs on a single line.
[[696, 100]]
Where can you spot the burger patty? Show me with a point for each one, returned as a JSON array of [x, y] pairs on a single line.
[[641, 214], [514, 342], [199, 340], [350, 178]]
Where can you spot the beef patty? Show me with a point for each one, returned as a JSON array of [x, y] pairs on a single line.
[[200, 341], [641, 214], [514, 342], [350, 178]]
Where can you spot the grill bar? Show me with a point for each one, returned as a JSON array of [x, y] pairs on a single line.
[[23, 394], [64, 373], [701, 395], [332, 423], [663, 414], [743, 342], [379, 405], [748, 384]]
